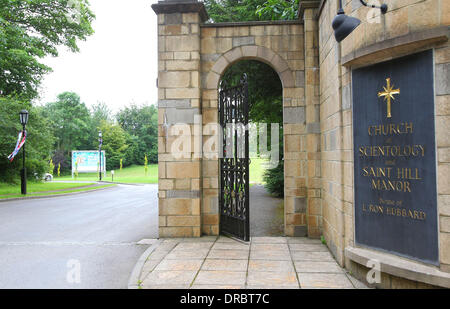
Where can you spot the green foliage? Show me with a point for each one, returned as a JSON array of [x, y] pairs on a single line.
[[251, 10], [232, 10], [114, 144], [70, 122], [39, 187], [278, 10], [38, 144], [141, 126], [264, 89], [29, 31], [265, 93], [125, 142], [33, 29], [100, 112], [130, 174], [274, 180]]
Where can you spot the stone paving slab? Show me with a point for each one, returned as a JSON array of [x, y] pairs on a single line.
[[317, 267], [216, 287], [334, 281], [167, 287], [229, 254], [170, 277], [232, 265], [308, 247], [311, 256], [179, 265], [230, 246], [226, 263], [269, 240], [193, 254], [264, 265], [302, 240], [219, 277], [186, 246], [270, 247], [270, 255], [265, 278]]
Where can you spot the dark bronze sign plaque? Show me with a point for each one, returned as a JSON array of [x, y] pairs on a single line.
[[395, 157]]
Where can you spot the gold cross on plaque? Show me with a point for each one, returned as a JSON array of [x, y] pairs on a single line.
[[388, 94]]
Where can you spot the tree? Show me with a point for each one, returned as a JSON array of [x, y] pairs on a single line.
[[264, 85], [250, 10], [114, 143], [70, 121], [278, 10], [101, 112], [141, 126], [264, 89], [33, 29], [266, 106], [233, 10], [38, 144]]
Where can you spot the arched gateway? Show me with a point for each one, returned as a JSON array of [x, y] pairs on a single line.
[[193, 56], [330, 190]]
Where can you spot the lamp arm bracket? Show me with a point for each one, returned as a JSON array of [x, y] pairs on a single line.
[[383, 7]]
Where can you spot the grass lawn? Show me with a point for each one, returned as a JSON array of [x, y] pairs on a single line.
[[33, 187], [131, 174], [136, 174], [43, 188], [257, 169]]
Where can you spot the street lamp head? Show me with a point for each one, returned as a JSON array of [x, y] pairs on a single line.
[[23, 117], [343, 25]]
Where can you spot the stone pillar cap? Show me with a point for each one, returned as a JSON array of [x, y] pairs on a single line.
[[181, 6], [307, 4]]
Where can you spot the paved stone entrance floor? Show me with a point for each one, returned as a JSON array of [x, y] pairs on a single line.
[[225, 263]]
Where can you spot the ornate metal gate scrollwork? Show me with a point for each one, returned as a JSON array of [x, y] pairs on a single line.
[[234, 162]]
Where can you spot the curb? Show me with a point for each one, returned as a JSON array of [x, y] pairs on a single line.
[[133, 282], [123, 183], [51, 196]]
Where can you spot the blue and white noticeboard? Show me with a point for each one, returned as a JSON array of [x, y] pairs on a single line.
[[88, 161]]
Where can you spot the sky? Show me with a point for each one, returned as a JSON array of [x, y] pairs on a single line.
[[117, 65]]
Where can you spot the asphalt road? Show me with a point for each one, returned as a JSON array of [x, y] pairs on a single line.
[[79, 241]]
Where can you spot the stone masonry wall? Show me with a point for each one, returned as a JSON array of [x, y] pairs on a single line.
[[335, 116], [192, 58], [280, 45], [179, 103], [313, 145], [405, 20]]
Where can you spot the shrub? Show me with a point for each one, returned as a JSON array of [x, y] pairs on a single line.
[[274, 179]]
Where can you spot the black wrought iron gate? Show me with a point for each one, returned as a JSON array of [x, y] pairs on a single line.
[[234, 162]]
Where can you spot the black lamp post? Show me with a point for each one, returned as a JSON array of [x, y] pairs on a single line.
[[100, 140], [24, 120]]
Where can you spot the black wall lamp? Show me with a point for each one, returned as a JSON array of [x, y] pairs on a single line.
[[343, 25]]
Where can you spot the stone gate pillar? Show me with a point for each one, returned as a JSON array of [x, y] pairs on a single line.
[[308, 11], [179, 109]]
